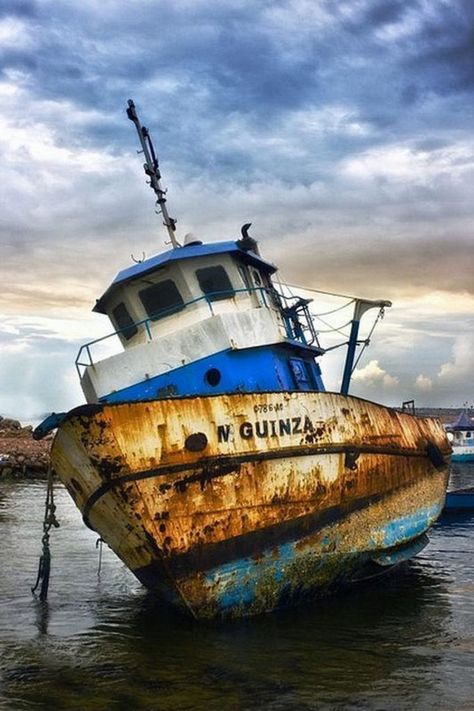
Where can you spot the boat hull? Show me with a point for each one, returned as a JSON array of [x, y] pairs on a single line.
[[239, 504], [460, 500], [462, 454]]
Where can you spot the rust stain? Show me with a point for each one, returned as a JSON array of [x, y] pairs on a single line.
[[248, 463]]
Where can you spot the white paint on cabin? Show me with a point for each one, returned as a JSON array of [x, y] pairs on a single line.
[[235, 329], [183, 274], [462, 438], [247, 318]]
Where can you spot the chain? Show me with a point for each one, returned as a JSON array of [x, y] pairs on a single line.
[[50, 519]]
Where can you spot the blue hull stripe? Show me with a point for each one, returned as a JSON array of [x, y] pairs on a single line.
[[468, 457], [266, 369], [292, 570]]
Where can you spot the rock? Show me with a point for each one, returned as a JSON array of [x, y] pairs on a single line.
[[8, 423], [20, 454]]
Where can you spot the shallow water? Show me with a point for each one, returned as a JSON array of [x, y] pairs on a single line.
[[405, 641]]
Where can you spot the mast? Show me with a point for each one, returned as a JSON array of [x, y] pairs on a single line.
[[152, 169]]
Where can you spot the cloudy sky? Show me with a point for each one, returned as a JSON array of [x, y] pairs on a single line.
[[341, 129]]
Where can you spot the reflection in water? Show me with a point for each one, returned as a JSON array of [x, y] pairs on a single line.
[[461, 475], [42, 616], [3, 506], [403, 642]]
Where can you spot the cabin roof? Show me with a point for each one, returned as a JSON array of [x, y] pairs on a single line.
[[176, 255], [463, 422]]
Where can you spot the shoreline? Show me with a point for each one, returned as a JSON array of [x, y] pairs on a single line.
[[20, 455]]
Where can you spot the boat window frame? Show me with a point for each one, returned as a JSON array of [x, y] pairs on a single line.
[[244, 273], [128, 330], [217, 294], [302, 374], [155, 315]]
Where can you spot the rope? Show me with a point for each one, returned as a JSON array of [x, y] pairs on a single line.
[[98, 544], [332, 329], [284, 284], [320, 291], [366, 342], [333, 311], [44, 567]]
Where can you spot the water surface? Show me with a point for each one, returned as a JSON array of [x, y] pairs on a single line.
[[405, 641]]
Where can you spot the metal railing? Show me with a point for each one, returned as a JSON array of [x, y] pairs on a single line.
[[296, 317]]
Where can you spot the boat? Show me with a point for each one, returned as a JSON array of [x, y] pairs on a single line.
[[459, 501], [461, 436], [209, 456]]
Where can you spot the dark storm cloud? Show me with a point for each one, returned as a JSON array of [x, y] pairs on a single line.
[[223, 49], [18, 8], [443, 53], [342, 130], [17, 59], [383, 12], [241, 59], [409, 51]]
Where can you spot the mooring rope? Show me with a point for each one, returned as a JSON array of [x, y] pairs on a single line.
[[98, 545], [366, 341], [50, 519]]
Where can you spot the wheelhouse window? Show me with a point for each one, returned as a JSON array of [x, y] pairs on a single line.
[[123, 321], [243, 271], [302, 375], [161, 299], [215, 283]]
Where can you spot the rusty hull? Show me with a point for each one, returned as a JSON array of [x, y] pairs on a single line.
[[237, 504]]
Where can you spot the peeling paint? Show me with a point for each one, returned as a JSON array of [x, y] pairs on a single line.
[[237, 504]]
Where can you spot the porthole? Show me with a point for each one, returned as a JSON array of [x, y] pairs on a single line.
[[213, 377], [196, 442]]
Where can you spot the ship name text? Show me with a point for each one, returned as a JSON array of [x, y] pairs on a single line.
[[266, 428]]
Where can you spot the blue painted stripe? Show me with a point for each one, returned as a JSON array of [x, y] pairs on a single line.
[[403, 529], [266, 369], [468, 457], [291, 569]]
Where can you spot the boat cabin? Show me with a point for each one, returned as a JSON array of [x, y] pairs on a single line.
[[461, 432], [175, 290], [461, 436], [198, 319]]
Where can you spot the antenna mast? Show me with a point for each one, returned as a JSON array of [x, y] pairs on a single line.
[[152, 169]]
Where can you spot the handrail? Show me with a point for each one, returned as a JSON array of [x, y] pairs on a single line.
[[288, 314]]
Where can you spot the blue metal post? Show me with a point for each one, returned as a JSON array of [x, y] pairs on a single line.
[[351, 349], [360, 307]]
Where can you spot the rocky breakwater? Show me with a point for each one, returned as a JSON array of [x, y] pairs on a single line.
[[20, 454]]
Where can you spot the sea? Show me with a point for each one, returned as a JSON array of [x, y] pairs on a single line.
[[100, 641]]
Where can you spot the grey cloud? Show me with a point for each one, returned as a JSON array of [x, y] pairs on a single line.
[[17, 59], [226, 59], [444, 49], [377, 267], [18, 8], [256, 110], [383, 12]]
